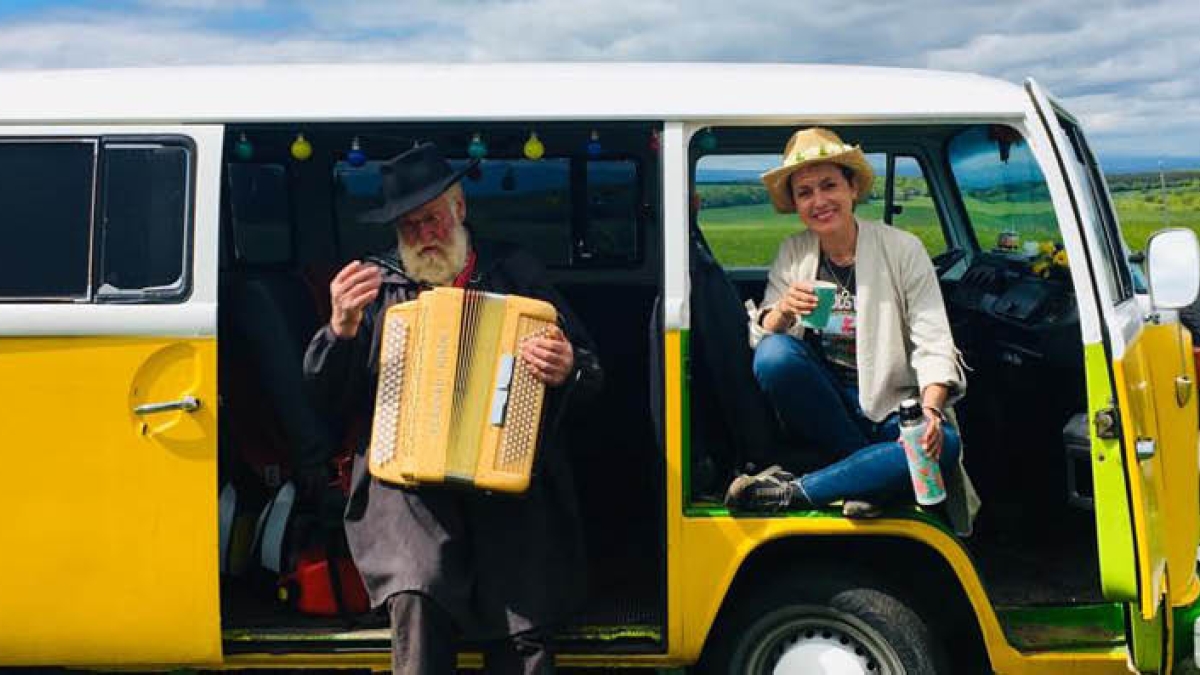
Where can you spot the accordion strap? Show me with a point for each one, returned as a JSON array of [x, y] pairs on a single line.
[[388, 262]]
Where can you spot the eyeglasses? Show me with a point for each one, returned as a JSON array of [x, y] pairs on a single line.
[[436, 217]]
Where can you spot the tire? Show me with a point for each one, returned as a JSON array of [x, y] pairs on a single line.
[[818, 624]]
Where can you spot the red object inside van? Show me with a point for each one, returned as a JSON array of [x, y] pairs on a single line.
[[311, 588]]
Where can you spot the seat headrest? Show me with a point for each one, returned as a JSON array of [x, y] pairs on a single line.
[[260, 214]]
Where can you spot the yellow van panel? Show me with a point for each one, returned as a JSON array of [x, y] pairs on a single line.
[[1135, 386], [1168, 349], [109, 524]]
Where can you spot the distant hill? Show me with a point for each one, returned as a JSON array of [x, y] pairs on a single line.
[[1118, 164], [1187, 180], [1118, 173]]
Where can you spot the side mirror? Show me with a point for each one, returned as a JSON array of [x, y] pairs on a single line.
[[1173, 268]]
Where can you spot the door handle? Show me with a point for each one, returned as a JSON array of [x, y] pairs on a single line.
[[186, 404], [1145, 448], [1183, 389]]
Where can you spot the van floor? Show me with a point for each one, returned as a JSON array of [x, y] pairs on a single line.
[[622, 604], [1051, 560]]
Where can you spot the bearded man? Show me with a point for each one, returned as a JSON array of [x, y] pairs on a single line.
[[501, 570]]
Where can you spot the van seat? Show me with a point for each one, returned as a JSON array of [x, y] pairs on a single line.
[[268, 313], [733, 423]]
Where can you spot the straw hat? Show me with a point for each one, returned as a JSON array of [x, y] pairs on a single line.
[[814, 146]]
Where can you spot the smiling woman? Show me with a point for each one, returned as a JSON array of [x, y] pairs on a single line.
[[847, 411]]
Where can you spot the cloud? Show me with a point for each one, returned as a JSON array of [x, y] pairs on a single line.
[[202, 5], [1132, 73], [1129, 70]]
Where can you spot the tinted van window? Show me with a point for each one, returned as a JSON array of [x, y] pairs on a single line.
[[144, 225], [45, 219]]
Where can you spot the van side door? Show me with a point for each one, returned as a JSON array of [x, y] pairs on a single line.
[[1144, 451], [108, 410]]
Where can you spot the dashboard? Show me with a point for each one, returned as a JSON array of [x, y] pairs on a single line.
[[1001, 312]]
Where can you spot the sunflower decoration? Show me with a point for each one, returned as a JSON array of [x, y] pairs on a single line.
[[1050, 256]]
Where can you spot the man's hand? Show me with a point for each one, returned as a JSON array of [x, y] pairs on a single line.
[[550, 358], [354, 287]]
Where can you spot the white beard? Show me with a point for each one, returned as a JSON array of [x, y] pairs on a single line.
[[437, 268]]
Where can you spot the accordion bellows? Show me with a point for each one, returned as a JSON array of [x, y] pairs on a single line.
[[455, 403]]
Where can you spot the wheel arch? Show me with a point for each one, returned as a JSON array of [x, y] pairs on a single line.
[[908, 567]]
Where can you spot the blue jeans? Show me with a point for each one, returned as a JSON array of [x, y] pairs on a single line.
[[866, 459]]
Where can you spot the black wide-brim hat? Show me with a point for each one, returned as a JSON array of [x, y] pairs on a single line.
[[412, 179]]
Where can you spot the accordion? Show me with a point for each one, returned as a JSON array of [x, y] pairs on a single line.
[[455, 403]]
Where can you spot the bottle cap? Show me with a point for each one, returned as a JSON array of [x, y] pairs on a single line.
[[910, 408]]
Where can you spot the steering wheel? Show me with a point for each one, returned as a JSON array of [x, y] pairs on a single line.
[[943, 261]]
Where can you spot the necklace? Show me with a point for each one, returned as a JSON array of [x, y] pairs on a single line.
[[845, 297]]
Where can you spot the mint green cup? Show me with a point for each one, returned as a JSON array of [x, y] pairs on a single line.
[[817, 318]]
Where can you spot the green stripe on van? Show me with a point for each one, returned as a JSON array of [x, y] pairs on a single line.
[[1114, 524]]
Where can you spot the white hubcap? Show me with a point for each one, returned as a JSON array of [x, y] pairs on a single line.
[[820, 655]]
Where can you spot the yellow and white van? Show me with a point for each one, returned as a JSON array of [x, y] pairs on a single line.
[[162, 226]]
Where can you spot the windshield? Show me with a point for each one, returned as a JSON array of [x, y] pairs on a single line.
[[1002, 188]]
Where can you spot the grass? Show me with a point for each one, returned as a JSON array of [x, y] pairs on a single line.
[[749, 235], [1140, 218]]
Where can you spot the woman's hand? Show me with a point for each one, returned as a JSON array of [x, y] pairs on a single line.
[[933, 402], [550, 357], [799, 300], [933, 436], [931, 440]]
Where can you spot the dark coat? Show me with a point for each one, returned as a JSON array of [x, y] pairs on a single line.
[[499, 564]]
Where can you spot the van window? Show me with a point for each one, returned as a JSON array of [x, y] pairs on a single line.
[[524, 202], [1003, 191], [913, 208], [359, 190], [529, 202], [612, 212], [743, 229], [143, 231], [54, 212], [736, 216], [591, 221], [1115, 263], [45, 219]]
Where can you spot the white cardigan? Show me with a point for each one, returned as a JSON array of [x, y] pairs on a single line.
[[903, 336]]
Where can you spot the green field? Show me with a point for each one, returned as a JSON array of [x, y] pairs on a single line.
[[748, 235]]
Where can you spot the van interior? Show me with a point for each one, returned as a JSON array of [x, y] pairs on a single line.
[[590, 209]]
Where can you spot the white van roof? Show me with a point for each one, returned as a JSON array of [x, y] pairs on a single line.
[[413, 92]]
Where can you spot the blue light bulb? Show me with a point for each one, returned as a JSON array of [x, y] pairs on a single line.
[[477, 149], [356, 157]]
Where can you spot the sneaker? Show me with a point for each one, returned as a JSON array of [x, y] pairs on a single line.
[[857, 508], [770, 490]]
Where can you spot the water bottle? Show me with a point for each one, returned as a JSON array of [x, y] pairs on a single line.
[[924, 470]]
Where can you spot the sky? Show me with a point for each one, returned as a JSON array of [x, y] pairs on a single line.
[[1130, 71]]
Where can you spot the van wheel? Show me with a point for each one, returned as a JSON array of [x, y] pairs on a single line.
[[822, 625]]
